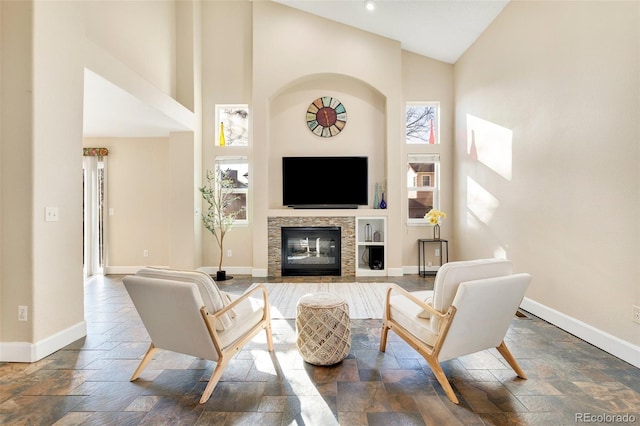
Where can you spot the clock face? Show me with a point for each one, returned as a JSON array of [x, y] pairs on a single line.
[[326, 116]]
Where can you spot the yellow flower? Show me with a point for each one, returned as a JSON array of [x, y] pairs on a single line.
[[434, 216]]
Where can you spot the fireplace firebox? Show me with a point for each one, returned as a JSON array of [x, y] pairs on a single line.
[[313, 250]]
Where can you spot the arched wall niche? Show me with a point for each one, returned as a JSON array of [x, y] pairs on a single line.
[[288, 134]]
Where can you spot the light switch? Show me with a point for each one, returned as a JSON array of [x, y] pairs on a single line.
[[51, 214]]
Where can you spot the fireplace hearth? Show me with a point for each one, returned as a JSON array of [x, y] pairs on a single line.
[[311, 250]]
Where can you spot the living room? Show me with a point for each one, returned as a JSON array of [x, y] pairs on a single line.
[[560, 78]]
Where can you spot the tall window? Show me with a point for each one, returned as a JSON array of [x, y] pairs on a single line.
[[236, 168], [423, 185], [423, 123]]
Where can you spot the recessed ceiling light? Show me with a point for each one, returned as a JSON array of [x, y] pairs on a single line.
[[369, 4]]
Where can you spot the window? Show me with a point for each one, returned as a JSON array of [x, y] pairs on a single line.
[[423, 185], [234, 120], [236, 169], [423, 123]]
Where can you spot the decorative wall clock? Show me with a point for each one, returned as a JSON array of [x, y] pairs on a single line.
[[326, 116]]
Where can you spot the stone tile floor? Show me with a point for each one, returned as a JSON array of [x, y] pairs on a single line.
[[569, 382]]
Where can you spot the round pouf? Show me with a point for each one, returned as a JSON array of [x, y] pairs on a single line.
[[323, 328]]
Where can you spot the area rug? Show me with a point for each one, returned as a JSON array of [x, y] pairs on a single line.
[[365, 300]]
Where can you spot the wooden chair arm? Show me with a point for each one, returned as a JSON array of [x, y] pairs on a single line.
[[412, 298], [248, 293]]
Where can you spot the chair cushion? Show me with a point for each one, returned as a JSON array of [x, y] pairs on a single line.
[[451, 274], [424, 313], [405, 313], [212, 297], [248, 314]]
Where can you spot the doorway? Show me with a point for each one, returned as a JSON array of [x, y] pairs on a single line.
[[94, 182]]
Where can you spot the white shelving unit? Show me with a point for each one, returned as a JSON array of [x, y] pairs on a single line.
[[365, 249]]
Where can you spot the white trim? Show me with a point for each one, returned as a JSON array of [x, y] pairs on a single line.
[[241, 270], [32, 352], [395, 272], [614, 345], [259, 272]]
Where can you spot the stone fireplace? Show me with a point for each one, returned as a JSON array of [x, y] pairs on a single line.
[[347, 245]]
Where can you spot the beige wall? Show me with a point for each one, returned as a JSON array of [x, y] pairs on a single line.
[[41, 143], [551, 93], [16, 171], [362, 136], [226, 79], [139, 181], [297, 77], [427, 80], [140, 34]]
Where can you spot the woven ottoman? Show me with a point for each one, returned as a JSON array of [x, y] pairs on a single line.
[[323, 328]]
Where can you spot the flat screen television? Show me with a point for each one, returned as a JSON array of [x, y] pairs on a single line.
[[325, 182]]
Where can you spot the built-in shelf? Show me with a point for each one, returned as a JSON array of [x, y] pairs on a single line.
[[371, 246]]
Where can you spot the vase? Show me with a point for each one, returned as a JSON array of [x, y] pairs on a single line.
[[367, 233], [376, 199], [222, 139], [383, 203], [436, 231]]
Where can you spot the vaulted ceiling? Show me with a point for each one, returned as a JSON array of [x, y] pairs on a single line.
[[439, 29]]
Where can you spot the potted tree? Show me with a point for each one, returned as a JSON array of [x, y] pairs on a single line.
[[219, 216]]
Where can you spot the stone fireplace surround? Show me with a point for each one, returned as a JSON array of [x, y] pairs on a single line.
[[347, 240]]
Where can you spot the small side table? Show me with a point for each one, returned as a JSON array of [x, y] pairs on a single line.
[[323, 328], [444, 254]]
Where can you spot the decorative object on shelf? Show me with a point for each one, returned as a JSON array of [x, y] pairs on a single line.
[[219, 219], [376, 236], [222, 139], [326, 117], [383, 203], [376, 197], [367, 233], [433, 217]]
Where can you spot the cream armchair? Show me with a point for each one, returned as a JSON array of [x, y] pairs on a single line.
[[185, 312], [469, 310]]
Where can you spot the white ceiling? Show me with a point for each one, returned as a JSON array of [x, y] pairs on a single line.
[[439, 29]]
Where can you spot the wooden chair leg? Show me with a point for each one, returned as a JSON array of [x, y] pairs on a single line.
[[269, 337], [383, 337], [504, 351], [442, 378], [148, 356], [215, 378]]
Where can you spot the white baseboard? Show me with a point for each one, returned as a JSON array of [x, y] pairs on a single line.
[[617, 347], [395, 272], [32, 352], [240, 270], [259, 272]]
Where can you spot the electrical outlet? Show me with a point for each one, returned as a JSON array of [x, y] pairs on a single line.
[[437, 252], [636, 313], [145, 253], [23, 313], [229, 253], [51, 214]]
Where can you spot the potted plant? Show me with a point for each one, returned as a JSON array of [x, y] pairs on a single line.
[[219, 217]]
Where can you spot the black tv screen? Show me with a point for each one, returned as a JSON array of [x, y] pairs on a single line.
[[325, 182]]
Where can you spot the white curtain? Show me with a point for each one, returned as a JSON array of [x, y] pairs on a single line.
[[94, 167]]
